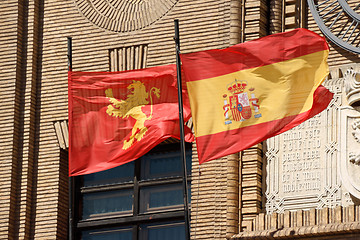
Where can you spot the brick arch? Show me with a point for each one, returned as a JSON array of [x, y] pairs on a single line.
[[124, 15]]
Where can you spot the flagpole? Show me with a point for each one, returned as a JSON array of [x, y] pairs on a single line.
[[182, 140], [70, 187]]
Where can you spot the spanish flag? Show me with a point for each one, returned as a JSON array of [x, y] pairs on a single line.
[[244, 94]]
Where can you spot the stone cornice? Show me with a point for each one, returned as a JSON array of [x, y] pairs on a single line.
[[304, 231]]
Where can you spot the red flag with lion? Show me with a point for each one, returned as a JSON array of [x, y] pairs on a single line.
[[116, 117]]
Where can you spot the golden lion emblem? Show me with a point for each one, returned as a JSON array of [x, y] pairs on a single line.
[[131, 106]]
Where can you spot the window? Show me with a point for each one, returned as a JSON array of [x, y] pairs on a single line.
[[141, 200]]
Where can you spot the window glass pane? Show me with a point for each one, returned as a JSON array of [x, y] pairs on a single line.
[[159, 165], [108, 234], [123, 173], [173, 231], [162, 197], [100, 203]]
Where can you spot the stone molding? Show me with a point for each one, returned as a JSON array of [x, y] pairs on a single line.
[[309, 231], [310, 223]]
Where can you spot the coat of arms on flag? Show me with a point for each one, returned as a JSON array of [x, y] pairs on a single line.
[[258, 89], [117, 117], [132, 107], [237, 105]]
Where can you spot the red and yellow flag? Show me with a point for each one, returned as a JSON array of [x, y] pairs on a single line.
[[116, 117], [249, 92]]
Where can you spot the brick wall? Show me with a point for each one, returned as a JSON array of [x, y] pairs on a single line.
[[284, 15], [33, 87], [13, 51], [204, 22], [34, 94]]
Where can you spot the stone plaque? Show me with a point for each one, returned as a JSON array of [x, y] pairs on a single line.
[[301, 165], [350, 150]]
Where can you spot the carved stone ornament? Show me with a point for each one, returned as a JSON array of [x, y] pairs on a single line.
[[354, 156], [352, 86], [124, 15], [350, 150], [350, 135]]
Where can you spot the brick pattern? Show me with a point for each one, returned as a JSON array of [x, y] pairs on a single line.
[[255, 19], [232, 195], [34, 91], [20, 102], [314, 223], [294, 14], [33, 88], [30, 122], [128, 58], [287, 15], [9, 68], [275, 16], [251, 185], [237, 20], [208, 199], [124, 15]]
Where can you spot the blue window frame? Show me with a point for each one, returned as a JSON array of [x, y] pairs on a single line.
[[139, 200], [108, 234]]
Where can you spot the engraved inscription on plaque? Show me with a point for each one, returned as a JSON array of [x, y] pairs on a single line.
[[300, 162], [301, 167]]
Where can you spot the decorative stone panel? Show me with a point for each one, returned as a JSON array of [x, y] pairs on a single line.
[[124, 15], [128, 58], [302, 163], [62, 133], [314, 165]]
